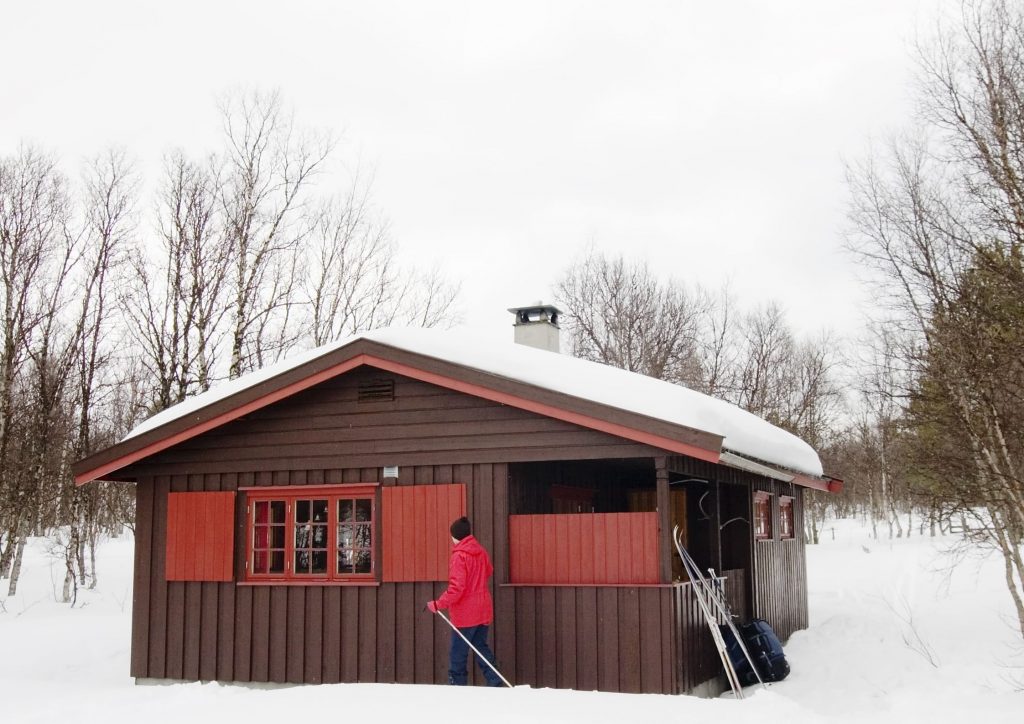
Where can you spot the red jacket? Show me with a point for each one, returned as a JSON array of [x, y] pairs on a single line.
[[468, 595]]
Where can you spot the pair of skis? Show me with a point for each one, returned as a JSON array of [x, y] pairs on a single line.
[[711, 599]]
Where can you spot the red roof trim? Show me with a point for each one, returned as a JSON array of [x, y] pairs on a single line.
[[164, 443], [827, 484], [576, 418], [504, 398]]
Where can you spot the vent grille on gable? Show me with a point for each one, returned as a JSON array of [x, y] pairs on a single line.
[[377, 390]]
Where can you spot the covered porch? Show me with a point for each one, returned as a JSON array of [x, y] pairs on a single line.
[[594, 584]]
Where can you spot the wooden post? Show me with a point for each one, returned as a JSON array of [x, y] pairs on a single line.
[[714, 509], [665, 547]]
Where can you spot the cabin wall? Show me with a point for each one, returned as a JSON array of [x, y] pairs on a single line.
[[622, 638], [780, 568], [327, 427], [699, 661], [777, 574], [300, 634], [634, 639]]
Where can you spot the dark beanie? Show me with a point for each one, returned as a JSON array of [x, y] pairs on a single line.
[[460, 528]]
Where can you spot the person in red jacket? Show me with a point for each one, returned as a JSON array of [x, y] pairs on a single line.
[[469, 598]]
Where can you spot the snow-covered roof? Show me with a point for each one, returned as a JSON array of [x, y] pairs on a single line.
[[744, 433]]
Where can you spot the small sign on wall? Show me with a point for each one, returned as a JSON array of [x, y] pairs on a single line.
[[391, 471]]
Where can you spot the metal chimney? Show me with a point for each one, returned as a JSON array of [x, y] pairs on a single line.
[[536, 325]]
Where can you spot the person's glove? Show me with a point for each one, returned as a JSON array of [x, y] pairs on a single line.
[[431, 606]]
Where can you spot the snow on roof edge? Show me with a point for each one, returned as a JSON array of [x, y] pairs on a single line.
[[742, 431]]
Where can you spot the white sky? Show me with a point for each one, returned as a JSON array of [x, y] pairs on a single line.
[[707, 138]]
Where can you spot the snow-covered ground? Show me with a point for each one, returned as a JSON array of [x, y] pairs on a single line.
[[899, 633]]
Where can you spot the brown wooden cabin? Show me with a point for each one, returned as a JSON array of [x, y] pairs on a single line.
[[292, 531]]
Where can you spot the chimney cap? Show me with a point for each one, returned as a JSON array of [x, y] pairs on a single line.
[[538, 305]]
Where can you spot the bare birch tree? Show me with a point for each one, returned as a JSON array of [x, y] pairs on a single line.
[[109, 224], [269, 166], [33, 230], [768, 352], [354, 281], [620, 314], [719, 347], [177, 302], [941, 221]]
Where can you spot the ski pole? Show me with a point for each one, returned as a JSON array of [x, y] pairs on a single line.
[[475, 650]]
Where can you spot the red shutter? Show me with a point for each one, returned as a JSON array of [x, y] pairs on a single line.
[[584, 549], [415, 536], [200, 536]]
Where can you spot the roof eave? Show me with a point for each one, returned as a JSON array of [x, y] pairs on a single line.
[[825, 483], [650, 431]]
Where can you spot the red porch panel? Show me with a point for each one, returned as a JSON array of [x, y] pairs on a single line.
[[415, 527], [200, 536], [583, 549]]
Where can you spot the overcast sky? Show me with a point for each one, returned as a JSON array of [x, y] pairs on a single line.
[[707, 138]]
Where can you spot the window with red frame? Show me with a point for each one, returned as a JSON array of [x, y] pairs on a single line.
[[762, 516], [325, 534], [786, 517]]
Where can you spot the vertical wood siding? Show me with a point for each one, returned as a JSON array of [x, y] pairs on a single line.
[[303, 634], [780, 569], [415, 535], [777, 579], [596, 548], [699, 661], [199, 536], [624, 638], [615, 639]]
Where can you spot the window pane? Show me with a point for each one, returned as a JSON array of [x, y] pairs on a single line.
[[277, 562], [362, 561], [762, 516], [786, 518], [260, 536], [302, 536], [345, 536], [259, 562], [301, 511], [319, 536], [302, 561], [261, 511], [320, 562], [345, 561], [363, 536], [364, 509], [277, 512], [344, 510], [320, 511], [277, 536]]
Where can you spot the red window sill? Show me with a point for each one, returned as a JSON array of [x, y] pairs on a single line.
[[308, 583]]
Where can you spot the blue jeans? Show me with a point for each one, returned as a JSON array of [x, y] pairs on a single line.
[[457, 673]]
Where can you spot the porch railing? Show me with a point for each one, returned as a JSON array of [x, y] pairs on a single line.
[[584, 549]]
